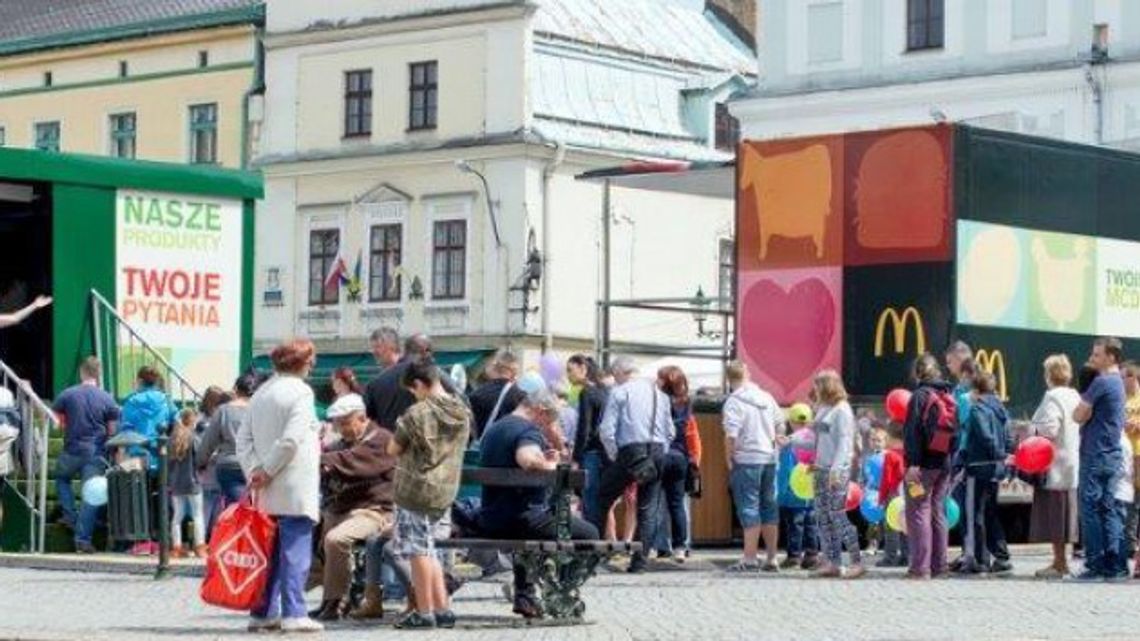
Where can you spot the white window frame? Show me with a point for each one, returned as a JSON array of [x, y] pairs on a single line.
[[388, 212], [320, 221]]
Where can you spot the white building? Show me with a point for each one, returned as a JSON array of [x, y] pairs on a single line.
[[1068, 69], [374, 110]]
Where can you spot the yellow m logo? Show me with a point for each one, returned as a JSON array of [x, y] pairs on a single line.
[[898, 326], [993, 362]]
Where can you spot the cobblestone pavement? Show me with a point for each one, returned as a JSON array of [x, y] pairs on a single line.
[[698, 601]]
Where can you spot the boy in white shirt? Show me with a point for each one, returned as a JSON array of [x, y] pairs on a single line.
[[1125, 494]]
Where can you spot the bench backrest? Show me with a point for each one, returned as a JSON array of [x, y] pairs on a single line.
[[563, 477]]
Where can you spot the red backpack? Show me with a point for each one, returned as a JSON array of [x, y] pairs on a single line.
[[945, 420]]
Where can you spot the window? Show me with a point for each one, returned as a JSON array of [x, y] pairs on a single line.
[[123, 135], [324, 249], [123, 69], [449, 260], [825, 32], [3, 137], [204, 133], [357, 103], [47, 79], [727, 128], [384, 260], [1029, 19], [925, 26], [726, 273], [47, 136], [424, 95], [203, 58]]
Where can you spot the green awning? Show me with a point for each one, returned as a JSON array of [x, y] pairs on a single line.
[[365, 368]]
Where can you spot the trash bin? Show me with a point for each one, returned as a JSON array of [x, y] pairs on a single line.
[[128, 505]]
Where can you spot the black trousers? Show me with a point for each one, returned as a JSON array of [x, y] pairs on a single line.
[[983, 533], [618, 475], [539, 524]]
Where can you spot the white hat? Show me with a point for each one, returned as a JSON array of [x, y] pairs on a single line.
[[345, 406]]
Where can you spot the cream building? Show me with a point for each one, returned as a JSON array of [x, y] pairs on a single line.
[[170, 80], [436, 143]]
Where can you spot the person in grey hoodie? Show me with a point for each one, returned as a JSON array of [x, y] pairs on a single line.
[[835, 449]]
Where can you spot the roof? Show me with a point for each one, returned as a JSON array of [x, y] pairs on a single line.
[[666, 30], [28, 25], [625, 142], [81, 169], [710, 179]]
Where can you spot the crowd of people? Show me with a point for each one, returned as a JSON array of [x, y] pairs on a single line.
[[383, 470]]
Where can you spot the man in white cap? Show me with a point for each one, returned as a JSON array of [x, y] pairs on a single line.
[[358, 478]]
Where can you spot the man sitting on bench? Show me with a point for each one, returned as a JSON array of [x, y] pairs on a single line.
[[523, 440]]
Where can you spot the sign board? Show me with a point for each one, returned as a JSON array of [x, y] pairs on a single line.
[[178, 267]]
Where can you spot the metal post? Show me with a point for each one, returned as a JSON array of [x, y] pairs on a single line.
[[605, 347], [43, 452], [163, 571]]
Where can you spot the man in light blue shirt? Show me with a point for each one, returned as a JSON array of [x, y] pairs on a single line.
[[636, 430]]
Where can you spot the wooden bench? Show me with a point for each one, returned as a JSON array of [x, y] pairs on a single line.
[[559, 566]]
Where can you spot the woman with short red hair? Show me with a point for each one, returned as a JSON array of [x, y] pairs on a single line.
[[280, 455], [682, 460]]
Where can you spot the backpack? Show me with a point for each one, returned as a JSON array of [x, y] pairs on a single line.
[[944, 427]]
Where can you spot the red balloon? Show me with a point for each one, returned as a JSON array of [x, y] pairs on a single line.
[[897, 401], [1034, 455], [854, 495]]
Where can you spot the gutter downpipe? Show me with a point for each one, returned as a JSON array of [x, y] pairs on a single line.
[[1097, 90], [547, 174], [256, 87]]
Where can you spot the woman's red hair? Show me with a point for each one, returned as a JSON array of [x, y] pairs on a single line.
[[292, 356], [674, 383]]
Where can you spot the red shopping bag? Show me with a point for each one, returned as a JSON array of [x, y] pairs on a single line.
[[237, 568]]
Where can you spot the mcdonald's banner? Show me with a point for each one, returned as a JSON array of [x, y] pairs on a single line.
[[893, 313]]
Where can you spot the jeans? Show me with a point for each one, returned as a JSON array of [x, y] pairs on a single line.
[[673, 486], [85, 466], [800, 532], [288, 568], [592, 464], [926, 527], [984, 535], [231, 482], [614, 480], [1102, 526], [187, 505], [541, 524]]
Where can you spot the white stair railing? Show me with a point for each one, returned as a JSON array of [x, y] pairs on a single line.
[[37, 420]]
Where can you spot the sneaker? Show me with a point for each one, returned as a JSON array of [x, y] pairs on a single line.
[[770, 567], [810, 562], [258, 625], [302, 625], [1000, 566], [790, 562], [445, 619], [968, 566], [957, 563], [1087, 576], [1118, 577], [680, 556], [415, 620], [84, 548], [527, 606], [637, 565], [743, 567]]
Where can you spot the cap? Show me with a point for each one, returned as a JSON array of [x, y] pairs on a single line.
[[344, 406], [799, 413]]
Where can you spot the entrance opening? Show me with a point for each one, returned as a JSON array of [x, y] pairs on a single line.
[[25, 272]]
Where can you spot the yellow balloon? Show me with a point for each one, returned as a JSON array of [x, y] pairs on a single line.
[[895, 518], [801, 483]]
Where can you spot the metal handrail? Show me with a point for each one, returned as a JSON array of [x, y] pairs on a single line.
[[99, 303], [29, 404]]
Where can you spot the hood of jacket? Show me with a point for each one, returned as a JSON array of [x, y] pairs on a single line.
[[146, 407], [991, 403], [450, 413]]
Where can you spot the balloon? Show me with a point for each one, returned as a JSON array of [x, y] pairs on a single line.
[[799, 413], [531, 382], [854, 495], [803, 438], [953, 512], [95, 491], [804, 456], [551, 368], [897, 401], [801, 483], [873, 470], [1034, 455], [869, 507], [895, 519]]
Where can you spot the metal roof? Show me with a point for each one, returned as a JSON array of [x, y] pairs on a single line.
[[36, 24], [663, 29], [711, 179]]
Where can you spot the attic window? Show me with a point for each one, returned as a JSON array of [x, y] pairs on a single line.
[[727, 128], [123, 69], [203, 58], [47, 78]]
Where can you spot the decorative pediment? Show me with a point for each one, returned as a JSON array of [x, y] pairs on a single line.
[[381, 193]]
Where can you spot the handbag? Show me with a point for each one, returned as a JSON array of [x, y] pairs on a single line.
[[642, 468], [241, 546]]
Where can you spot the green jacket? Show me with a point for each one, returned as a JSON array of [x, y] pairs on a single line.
[[433, 434]]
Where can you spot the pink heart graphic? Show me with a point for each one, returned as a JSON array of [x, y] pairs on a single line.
[[787, 333]]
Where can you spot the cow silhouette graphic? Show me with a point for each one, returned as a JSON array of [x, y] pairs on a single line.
[[793, 193]]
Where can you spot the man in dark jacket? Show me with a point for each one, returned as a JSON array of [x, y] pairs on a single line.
[[984, 445], [385, 400], [499, 396], [358, 477]]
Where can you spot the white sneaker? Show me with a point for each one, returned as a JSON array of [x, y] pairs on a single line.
[[301, 624], [258, 625]]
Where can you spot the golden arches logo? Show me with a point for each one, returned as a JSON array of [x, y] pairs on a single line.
[[898, 326], [994, 362]]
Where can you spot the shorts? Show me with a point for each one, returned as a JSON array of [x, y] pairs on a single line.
[[415, 533], [754, 494]]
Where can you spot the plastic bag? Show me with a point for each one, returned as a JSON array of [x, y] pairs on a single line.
[[241, 547]]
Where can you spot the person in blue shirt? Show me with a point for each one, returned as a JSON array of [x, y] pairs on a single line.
[[1101, 415], [796, 514], [148, 411]]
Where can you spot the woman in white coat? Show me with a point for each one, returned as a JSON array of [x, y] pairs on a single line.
[[1054, 515], [279, 449]]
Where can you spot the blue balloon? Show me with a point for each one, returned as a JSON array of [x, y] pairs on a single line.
[[873, 470], [869, 507], [95, 491]]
